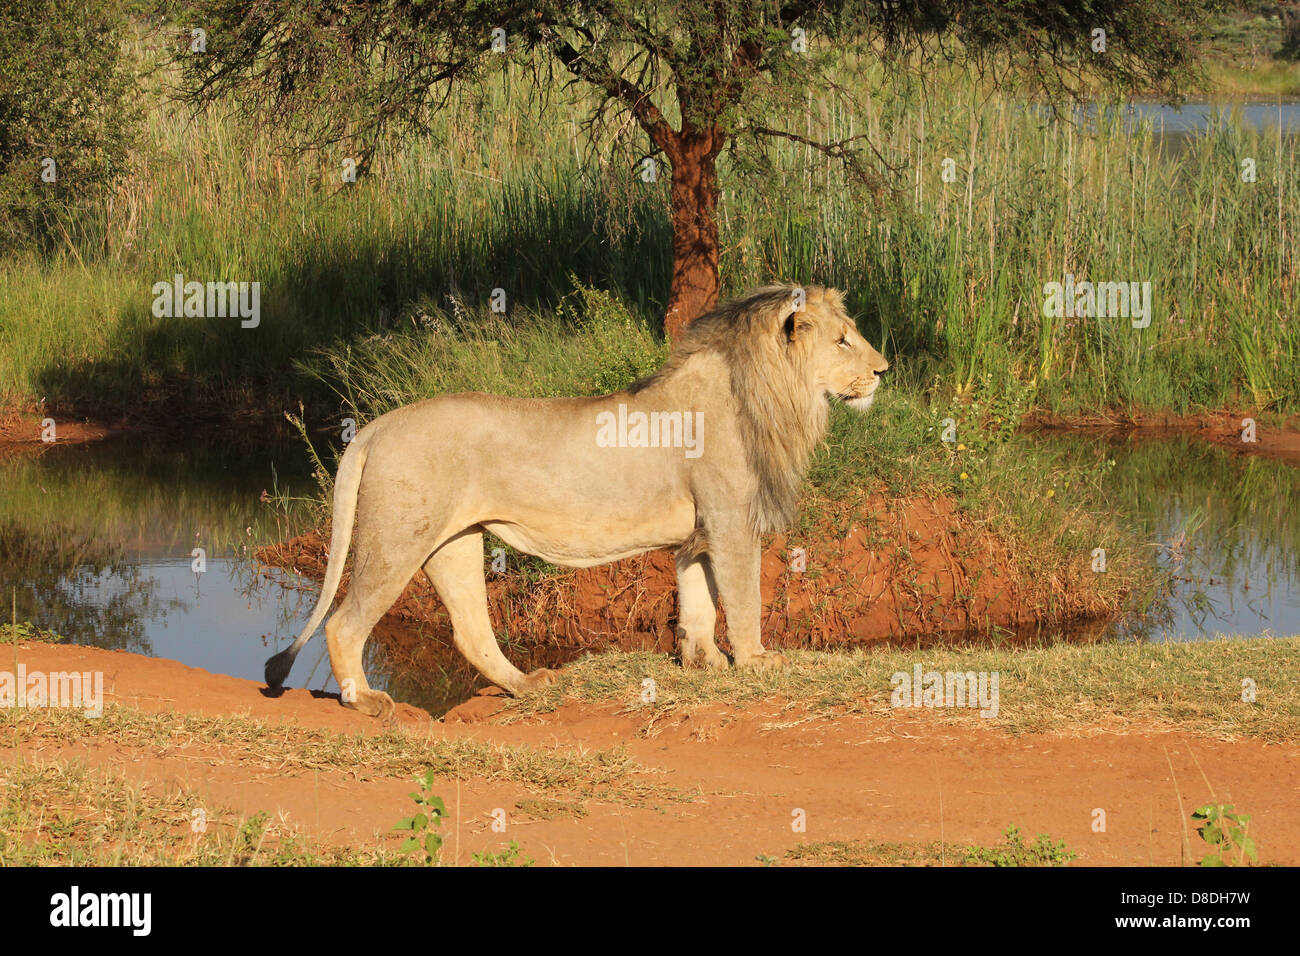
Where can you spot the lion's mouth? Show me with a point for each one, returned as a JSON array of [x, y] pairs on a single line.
[[858, 401]]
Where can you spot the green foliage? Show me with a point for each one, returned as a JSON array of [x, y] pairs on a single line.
[[591, 345], [946, 280], [26, 631], [1290, 48], [510, 856], [1013, 851], [1225, 832], [423, 825], [732, 67], [986, 412], [67, 94], [620, 347]]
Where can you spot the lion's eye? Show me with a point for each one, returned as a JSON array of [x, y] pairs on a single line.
[[844, 342]]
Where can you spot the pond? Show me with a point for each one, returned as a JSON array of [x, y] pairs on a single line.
[[1226, 524], [98, 543], [1193, 118]]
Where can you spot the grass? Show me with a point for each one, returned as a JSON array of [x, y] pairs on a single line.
[[1061, 688], [1262, 79], [1253, 55], [946, 277], [1045, 505], [609, 775], [1012, 851], [63, 813]]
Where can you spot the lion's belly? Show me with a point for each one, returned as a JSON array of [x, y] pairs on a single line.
[[596, 539]]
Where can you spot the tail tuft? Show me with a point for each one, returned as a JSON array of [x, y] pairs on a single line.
[[277, 669]]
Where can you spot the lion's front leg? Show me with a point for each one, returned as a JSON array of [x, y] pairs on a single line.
[[697, 615], [735, 556]]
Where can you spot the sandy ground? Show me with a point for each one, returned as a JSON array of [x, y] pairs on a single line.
[[869, 778]]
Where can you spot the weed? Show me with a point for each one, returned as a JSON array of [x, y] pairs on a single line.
[[424, 823], [1226, 833], [1013, 851], [510, 856]]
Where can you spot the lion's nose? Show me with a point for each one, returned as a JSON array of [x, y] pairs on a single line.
[[883, 370]]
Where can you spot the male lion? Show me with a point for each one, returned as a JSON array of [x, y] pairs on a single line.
[[702, 456]]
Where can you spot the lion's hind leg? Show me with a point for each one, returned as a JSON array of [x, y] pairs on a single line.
[[456, 570], [697, 614], [381, 571]]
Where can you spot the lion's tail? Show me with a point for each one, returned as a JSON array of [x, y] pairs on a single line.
[[346, 484]]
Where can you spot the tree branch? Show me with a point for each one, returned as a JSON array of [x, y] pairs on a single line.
[[599, 73], [838, 150]]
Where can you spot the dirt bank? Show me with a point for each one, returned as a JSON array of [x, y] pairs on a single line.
[[21, 431], [857, 779], [1275, 437], [878, 568]]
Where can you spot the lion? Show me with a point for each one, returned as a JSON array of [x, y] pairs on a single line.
[[703, 457]]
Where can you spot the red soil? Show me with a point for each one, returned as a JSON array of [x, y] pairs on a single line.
[[914, 566], [1280, 440], [872, 778]]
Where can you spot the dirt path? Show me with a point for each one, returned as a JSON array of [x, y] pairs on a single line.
[[856, 778]]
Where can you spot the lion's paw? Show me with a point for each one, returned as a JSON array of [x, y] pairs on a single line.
[[542, 677], [714, 659], [373, 703], [767, 660]]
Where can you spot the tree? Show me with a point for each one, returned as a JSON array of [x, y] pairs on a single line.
[[66, 111], [696, 77]]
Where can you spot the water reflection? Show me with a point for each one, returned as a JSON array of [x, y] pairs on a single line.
[[97, 542], [1198, 117], [1226, 525]]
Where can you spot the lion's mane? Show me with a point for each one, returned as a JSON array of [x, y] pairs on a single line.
[[781, 417]]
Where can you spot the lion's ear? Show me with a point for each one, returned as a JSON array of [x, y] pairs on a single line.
[[795, 327]]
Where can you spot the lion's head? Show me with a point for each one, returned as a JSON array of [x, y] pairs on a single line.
[[787, 349], [826, 344]]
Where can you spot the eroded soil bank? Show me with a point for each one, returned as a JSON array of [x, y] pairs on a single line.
[[1276, 436], [878, 568], [1279, 439]]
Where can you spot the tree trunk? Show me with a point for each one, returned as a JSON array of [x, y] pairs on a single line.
[[694, 213]]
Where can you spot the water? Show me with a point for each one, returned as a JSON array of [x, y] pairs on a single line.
[[1193, 118], [1176, 123], [98, 540], [148, 548], [1227, 525]]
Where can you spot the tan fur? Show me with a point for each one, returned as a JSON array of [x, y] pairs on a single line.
[[423, 483]]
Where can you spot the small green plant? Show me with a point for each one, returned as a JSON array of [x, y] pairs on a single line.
[[27, 631], [986, 411], [1014, 852], [1226, 833], [767, 859], [510, 856], [424, 823]]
